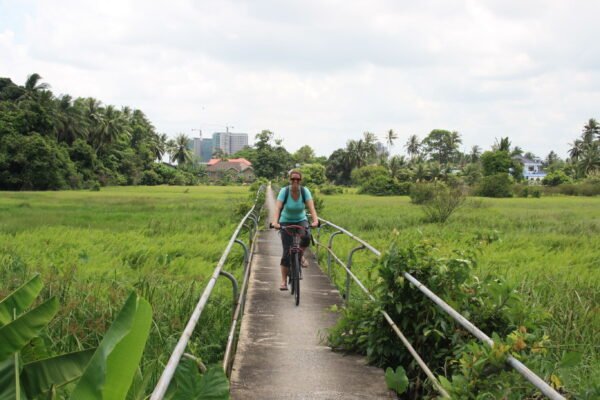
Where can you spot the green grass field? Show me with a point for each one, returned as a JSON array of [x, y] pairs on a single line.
[[93, 248], [549, 248]]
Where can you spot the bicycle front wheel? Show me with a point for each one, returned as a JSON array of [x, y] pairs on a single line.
[[296, 281]]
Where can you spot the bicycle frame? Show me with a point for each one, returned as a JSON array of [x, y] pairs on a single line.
[[295, 252]]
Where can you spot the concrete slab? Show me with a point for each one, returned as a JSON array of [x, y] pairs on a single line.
[[282, 351]]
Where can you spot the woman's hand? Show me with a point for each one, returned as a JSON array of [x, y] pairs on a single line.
[[314, 224], [276, 225]]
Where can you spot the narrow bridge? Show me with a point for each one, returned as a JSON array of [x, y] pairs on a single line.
[[281, 351]]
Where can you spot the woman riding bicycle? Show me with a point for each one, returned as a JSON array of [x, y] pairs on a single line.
[[290, 210]]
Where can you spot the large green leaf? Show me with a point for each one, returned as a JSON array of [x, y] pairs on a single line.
[[189, 384], [16, 334], [19, 300], [397, 381], [111, 370], [7, 379], [38, 377]]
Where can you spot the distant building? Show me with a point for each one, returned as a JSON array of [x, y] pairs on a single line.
[[532, 169], [197, 147], [229, 142], [206, 150], [380, 149], [235, 169]]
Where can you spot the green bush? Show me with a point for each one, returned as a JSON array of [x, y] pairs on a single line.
[[498, 185], [151, 178], [421, 193], [331, 189], [556, 178], [443, 204], [361, 176], [536, 192], [469, 368], [521, 190], [384, 186]]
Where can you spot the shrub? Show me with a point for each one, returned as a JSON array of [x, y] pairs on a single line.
[[361, 176], [498, 185], [331, 189], [422, 192], [490, 303], [556, 178], [521, 190], [384, 186], [536, 192], [444, 202], [151, 178]]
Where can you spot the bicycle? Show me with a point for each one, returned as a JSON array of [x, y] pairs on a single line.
[[296, 253]]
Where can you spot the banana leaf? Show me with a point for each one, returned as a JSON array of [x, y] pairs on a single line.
[[20, 299], [7, 380], [189, 384], [113, 366], [17, 333], [39, 376]]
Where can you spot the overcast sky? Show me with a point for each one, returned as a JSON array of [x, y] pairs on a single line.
[[323, 72]]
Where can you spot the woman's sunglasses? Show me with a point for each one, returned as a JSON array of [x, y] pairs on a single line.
[[295, 179]]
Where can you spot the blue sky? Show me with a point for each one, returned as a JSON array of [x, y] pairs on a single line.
[[322, 72]]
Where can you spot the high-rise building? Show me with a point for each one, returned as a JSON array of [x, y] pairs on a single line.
[[229, 142], [206, 150], [197, 147]]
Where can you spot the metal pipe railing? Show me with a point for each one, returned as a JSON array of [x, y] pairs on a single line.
[[169, 371], [539, 383]]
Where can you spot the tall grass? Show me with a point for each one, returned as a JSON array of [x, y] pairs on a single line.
[[548, 248], [92, 248]]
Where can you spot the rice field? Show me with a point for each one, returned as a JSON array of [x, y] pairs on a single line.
[[549, 248], [92, 248]]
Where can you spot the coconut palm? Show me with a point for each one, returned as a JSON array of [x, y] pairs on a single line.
[[517, 151], [70, 124], [576, 149], [413, 146], [158, 145], [180, 151], [589, 160], [591, 131], [114, 126], [502, 145], [33, 86], [475, 153], [395, 165], [390, 137]]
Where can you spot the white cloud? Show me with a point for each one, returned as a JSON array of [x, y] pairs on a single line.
[[322, 72]]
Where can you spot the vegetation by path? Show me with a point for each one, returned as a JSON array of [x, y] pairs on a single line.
[[549, 248], [92, 248]]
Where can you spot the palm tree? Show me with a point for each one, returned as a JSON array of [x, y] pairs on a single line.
[[395, 165], [114, 126], [180, 151], [591, 131], [589, 160], [413, 145], [158, 145], [390, 137], [69, 121], [475, 153], [33, 86], [576, 149], [516, 151], [502, 145]]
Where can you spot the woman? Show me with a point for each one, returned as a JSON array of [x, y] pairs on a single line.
[[291, 211]]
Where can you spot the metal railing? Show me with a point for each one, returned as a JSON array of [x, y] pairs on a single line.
[[250, 222], [539, 383]]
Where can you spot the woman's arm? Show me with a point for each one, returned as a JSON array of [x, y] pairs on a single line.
[[313, 213], [277, 213]]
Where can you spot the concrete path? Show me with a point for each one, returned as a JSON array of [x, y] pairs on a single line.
[[282, 351]]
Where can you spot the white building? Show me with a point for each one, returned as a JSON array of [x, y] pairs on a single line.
[[532, 169]]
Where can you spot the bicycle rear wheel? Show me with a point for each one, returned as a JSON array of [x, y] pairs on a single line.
[[296, 281]]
